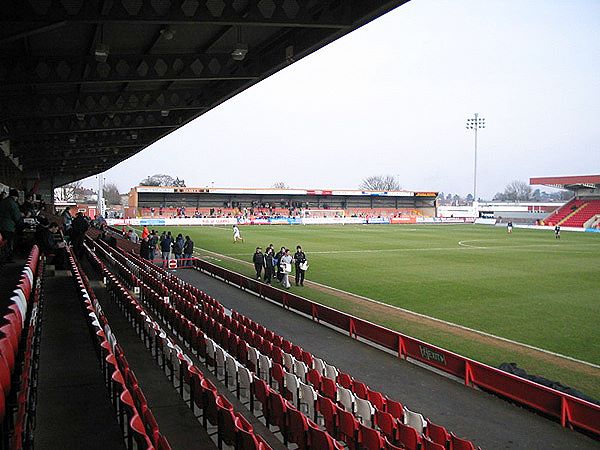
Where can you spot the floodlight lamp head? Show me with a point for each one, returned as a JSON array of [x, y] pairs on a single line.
[[239, 52]]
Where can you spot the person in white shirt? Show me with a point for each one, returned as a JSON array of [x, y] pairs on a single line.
[[236, 234], [286, 268]]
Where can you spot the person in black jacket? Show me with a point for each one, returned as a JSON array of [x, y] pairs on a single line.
[[188, 251], [259, 262], [78, 228], [300, 262], [145, 248], [269, 266], [53, 246]]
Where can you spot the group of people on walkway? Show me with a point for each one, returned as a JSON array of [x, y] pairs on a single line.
[[182, 248], [282, 261]]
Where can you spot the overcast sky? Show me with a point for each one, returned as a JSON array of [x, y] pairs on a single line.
[[393, 97]]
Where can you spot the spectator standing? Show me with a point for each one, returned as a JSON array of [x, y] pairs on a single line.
[[10, 217], [165, 248], [67, 220], [145, 232], [188, 251], [78, 229], [133, 237], [269, 265], [178, 248], [301, 265], [153, 245], [277, 262], [145, 248], [286, 268], [259, 262]]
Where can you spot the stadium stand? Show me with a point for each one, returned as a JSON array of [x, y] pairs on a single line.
[[585, 212], [575, 213], [19, 354], [201, 393], [209, 331]]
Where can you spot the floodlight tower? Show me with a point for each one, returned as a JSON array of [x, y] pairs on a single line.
[[474, 124]]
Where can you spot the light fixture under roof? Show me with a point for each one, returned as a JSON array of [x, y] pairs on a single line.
[[101, 52], [239, 52], [241, 49], [167, 33], [164, 112]]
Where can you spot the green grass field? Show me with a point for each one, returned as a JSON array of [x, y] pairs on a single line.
[[527, 286]]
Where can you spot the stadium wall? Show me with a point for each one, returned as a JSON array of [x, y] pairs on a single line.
[[208, 221]]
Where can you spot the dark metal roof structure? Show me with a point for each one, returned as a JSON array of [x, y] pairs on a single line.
[[85, 84], [569, 182]]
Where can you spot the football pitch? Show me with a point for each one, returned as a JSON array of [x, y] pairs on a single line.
[[527, 287]]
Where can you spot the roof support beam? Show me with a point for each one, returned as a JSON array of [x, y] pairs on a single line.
[[124, 69], [98, 122], [262, 14], [51, 105]]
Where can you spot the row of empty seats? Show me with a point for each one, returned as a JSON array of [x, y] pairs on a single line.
[[19, 355], [243, 380], [137, 422], [337, 388], [585, 212], [560, 214], [232, 428]]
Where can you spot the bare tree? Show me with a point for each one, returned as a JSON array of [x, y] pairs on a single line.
[[160, 179], [66, 193], [380, 183], [515, 191], [280, 185], [111, 194]]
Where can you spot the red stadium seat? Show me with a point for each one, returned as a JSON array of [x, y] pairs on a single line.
[[387, 424], [327, 409], [226, 422], [430, 445], [437, 434], [360, 389], [408, 437], [369, 439], [460, 444], [319, 439], [277, 413], [347, 428], [395, 408], [297, 430], [344, 380]]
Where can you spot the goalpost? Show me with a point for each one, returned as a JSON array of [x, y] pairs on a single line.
[[323, 213]]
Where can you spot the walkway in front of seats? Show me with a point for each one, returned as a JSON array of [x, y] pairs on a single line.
[[175, 419], [73, 407], [488, 421]]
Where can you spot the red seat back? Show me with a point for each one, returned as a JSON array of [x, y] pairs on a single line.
[[369, 438], [460, 444], [297, 426]]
